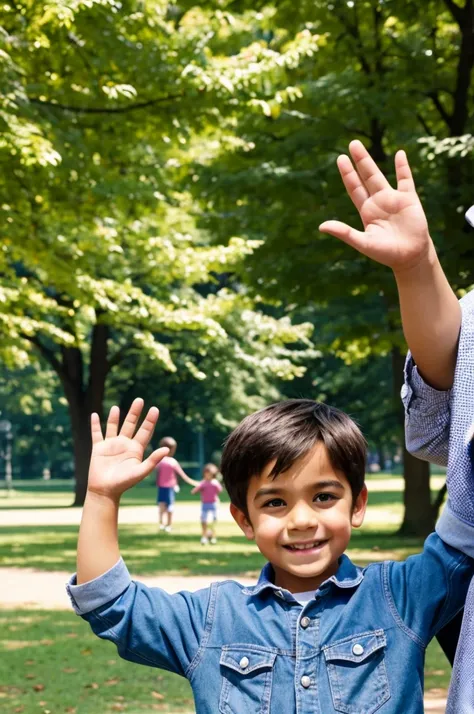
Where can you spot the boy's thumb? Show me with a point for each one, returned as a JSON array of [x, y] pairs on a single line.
[[356, 239], [149, 464]]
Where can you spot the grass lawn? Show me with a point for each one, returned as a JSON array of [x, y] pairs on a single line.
[[52, 664], [149, 553], [33, 494], [60, 494]]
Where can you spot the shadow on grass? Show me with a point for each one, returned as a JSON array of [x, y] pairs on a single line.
[[52, 662], [36, 495], [145, 551], [148, 553]]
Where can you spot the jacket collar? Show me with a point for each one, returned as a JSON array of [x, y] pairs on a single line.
[[348, 575]]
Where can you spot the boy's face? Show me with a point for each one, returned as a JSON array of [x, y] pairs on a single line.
[[302, 520]]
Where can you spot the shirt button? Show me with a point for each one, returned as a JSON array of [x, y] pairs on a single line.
[[404, 391], [358, 649], [305, 621], [279, 593], [244, 663], [305, 681]]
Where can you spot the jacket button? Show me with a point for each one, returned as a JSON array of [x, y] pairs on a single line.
[[305, 621], [305, 681], [358, 649], [244, 663]]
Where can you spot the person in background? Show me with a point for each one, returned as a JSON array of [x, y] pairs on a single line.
[[209, 488], [167, 473], [438, 394]]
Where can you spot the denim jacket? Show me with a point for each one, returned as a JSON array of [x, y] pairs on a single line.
[[439, 428], [357, 647]]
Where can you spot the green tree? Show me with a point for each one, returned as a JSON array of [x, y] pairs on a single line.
[[101, 259], [394, 74]]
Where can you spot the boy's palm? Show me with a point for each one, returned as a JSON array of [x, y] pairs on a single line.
[[396, 231], [117, 461]]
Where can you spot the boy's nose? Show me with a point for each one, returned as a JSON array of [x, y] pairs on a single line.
[[302, 517]]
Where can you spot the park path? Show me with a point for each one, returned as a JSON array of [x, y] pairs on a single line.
[[33, 589], [186, 512], [25, 587]]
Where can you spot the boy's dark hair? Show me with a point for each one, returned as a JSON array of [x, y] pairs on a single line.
[[286, 431]]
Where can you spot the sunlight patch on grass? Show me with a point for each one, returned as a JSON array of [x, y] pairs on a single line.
[[17, 644]]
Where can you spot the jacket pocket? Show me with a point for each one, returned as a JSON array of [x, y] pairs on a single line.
[[357, 673], [247, 672]]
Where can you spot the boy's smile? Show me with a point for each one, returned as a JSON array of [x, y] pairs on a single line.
[[302, 519]]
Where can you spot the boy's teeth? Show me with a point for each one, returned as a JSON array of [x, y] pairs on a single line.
[[303, 547]]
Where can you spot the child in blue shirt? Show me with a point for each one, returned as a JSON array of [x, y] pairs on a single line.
[[316, 633]]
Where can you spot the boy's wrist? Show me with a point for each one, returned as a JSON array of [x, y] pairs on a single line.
[[422, 269], [103, 499]]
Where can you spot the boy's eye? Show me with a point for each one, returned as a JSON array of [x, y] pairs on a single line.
[[324, 497], [274, 503]]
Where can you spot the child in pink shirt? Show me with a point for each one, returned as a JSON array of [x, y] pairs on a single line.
[[209, 488], [167, 472]]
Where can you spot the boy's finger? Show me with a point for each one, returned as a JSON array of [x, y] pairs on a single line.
[[131, 420], [147, 428], [367, 169], [404, 176], [96, 430], [351, 180], [356, 239], [112, 423], [149, 464]]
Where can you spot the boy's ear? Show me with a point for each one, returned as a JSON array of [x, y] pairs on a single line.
[[242, 521], [360, 506]]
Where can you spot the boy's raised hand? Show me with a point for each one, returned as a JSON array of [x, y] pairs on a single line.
[[117, 461], [395, 226]]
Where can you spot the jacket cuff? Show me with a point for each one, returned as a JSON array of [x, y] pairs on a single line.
[[456, 532], [95, 593], [416, 390]]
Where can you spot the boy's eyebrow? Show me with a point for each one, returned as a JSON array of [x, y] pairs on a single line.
[[275, 491]]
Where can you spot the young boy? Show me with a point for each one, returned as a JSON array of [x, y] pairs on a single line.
[[316, 633], [209, 488]]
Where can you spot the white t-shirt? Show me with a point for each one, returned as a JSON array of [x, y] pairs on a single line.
[[304, 597]]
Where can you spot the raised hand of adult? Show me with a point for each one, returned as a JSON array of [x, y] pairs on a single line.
[[117, 460], [395, 227]]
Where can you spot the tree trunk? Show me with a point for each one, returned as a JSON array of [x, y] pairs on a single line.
[[84, 399], [418, 519], [82, 448], [381, 456]]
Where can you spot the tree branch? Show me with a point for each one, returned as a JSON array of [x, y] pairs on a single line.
[[455, 10], [116, 358], [354, 31], [104, 110], [424, 124], [442, 111], [45, 352]]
